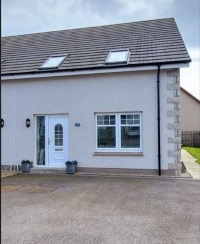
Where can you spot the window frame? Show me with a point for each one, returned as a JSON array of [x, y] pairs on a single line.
[[57, 65], [118, 126], [107, 62]]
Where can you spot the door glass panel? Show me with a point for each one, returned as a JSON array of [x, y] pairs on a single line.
[[58, 135], [40, 140]]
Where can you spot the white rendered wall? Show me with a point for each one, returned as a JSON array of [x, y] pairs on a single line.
[[80, 97]]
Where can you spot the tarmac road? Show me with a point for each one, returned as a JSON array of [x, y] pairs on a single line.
[[74, 209]]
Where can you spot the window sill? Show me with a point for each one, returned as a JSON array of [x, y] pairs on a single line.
[[118, 154]]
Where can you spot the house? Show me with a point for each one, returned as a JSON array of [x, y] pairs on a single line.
[[106, 96], [190, 112], [190, 119]]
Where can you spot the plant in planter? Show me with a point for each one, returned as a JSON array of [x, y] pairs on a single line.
[[26, 165], [71, 166]]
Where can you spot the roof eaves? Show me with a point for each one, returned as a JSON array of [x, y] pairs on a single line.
[[114, 66]]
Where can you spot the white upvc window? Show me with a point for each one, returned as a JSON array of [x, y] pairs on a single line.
[[118, 132]]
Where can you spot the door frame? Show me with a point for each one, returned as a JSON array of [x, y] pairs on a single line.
[[47, 125]]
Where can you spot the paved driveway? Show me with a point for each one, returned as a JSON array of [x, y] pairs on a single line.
[[72, 209]]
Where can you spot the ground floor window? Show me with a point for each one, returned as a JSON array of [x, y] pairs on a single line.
[[118, 132]]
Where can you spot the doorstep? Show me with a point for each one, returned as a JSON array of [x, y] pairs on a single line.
[[45, 170]]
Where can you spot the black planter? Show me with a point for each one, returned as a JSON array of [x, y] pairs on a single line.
[[26, 167], [71, 168]]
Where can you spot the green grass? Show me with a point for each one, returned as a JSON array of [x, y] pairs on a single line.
[[194, 151]]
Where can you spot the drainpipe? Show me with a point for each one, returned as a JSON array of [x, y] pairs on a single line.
[[158, 118]]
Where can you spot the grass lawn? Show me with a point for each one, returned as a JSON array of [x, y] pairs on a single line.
[[194, 151]]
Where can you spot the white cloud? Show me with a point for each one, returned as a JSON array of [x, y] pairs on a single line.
[[23, 17], [190, 77], [147, 8]]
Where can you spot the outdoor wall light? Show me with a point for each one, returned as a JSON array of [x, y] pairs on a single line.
[[2, 123], [28, 123]]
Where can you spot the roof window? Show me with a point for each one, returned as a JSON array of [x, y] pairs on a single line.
[[53, 61], [117, 56]]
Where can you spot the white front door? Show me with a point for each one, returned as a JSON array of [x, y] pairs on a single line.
[[57, 141]]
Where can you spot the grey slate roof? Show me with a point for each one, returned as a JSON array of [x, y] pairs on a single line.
[[150, 42]]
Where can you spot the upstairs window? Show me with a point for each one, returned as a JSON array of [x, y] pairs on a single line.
[[53, 61], [117, 56]]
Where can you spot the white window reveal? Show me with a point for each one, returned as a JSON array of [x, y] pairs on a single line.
[[58, 135], [117, 56], [118, 132], [54, 61]]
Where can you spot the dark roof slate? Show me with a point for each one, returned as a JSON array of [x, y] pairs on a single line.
[[150, 42]]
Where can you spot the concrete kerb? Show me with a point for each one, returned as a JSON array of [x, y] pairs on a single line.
[[117, 176], [84, 174], [134, 176]]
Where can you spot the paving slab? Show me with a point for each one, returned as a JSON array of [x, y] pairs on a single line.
[[191, 166], [76, 209]]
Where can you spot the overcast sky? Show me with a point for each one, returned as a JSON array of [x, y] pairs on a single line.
[[30, 16]]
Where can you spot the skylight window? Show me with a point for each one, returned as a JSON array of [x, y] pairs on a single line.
[[53, 61], [118, 56]]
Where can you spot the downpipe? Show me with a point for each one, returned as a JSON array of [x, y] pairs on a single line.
[[158, 119]]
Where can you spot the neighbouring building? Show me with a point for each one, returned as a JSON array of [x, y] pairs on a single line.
[[190, 112]]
